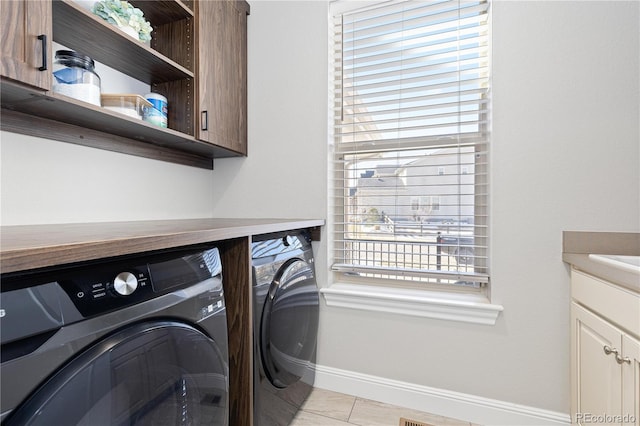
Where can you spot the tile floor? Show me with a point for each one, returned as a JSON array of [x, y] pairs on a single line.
[[326, 408]]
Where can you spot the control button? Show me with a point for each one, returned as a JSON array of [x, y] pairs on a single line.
[[125, 283], [142, 281]]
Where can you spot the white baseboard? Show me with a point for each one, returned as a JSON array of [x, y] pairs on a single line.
[[475, 409]]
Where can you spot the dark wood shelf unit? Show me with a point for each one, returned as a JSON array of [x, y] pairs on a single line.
[[173, 65], [51, 111]]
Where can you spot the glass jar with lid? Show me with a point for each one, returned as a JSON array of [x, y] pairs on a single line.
[[75, 76]]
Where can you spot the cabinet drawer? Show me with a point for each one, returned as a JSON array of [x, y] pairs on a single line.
[[610, 301]]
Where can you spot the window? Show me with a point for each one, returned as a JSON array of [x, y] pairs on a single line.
[[435, 203], [410, 141]]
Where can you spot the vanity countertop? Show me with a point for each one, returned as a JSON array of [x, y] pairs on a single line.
[[613, 256]]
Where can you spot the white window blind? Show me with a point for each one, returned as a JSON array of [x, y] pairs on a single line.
[[410, 142]]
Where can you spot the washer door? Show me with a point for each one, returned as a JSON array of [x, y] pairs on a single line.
[[159, 373], [289, 324]]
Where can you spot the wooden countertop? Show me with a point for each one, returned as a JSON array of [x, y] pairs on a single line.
[[35, 246]]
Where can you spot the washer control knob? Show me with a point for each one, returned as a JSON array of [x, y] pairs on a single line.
[[125, 283]]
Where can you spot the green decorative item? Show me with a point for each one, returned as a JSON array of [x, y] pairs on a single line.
[[125, 16]]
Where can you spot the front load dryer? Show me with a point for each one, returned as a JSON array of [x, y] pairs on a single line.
[[138, 340], [285, 325]]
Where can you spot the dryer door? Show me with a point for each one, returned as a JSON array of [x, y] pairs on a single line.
[[289, 324], [154, 373]]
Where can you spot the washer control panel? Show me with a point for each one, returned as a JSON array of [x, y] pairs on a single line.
[[105, 289], [107, 286], [65, 294]]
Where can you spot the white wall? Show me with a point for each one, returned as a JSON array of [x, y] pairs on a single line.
[[45, 181], [565, 155], [284, 173]]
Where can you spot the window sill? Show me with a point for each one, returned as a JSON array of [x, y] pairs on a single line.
[[420, 303]]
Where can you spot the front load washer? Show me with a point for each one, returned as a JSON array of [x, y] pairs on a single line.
[[285, 326], [137, 340]]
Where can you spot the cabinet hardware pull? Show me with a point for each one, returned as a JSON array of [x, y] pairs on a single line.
[[608, 350], [43, 39], [621, 360], [204, 120]]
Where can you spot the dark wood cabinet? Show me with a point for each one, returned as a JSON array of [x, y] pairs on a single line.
[[26, 42], [222, 71], [172, 65]]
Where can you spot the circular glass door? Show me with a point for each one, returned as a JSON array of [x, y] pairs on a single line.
[[160, 373], [289, 325]]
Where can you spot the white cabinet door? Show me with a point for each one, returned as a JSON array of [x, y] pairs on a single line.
[[631, 380], [597, 378]]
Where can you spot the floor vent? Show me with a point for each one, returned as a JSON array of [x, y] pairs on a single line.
[[407, 422]]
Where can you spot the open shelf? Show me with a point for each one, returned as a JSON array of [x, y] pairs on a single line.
[[78, 29], [58, 114], [161, 12]]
